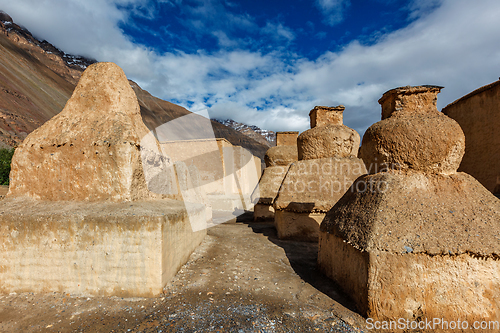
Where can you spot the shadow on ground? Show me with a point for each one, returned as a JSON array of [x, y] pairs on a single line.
[[303, 257]]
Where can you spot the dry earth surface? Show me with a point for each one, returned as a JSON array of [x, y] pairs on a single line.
[[241, 279]]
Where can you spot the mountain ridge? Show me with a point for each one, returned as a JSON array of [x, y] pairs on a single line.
[[266, 137], [37, 79]]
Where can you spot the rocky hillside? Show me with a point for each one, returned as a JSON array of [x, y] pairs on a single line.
[[36, 80], [265, 137]]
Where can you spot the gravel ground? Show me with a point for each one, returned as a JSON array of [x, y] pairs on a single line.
[[241, 279]]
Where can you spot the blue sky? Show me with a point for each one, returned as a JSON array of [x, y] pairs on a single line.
[[267, 63]]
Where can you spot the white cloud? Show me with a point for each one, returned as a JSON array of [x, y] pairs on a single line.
[[419, 8], [333, 10], [278, 31], [454, 45]]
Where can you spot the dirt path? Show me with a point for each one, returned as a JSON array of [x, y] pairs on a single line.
[[241, 279]]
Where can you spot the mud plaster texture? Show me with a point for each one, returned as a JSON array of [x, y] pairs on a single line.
[[309, 190], [302, 227], [423, 140], [278, 160], [91, 149], [323, 115], [316, 185], [241, 278], [263, 212], [478, 113], [416, 286], [421, 241], [270, 183], [121, 249], [267, 191], [286, 138], [328, 136], [70, 221], [326, 169], [280, 156]]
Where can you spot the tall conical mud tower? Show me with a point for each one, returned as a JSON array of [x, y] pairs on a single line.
[[90, 150], [79, 217], [278, 160], [327, 166], [414, 239]]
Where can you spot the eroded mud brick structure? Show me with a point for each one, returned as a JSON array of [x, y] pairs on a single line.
[[287, 138], [278, 160], [327, 166], [227, 174], [415, 239], [478, 113], [80, 216]]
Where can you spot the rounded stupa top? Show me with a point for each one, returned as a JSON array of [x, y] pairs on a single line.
[[328, 136], [413, 134]]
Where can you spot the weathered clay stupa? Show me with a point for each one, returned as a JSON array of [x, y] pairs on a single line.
[[278, 160], [327, 166], [415, 239], [79, 216]]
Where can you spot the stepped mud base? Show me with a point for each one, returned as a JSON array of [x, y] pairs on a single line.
[[128, 249], [298, 226], [263, 212], [415, 286]]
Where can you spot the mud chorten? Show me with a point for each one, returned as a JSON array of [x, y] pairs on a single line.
[[79, 216], [288, 138], [278, 160], [327, 166], [414, 239]]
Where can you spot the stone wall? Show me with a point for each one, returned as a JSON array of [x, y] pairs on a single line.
[[478, 113]]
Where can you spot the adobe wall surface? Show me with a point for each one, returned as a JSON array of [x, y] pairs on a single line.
[[267, 191], [281, 155], [298, 226], [415, 239], [324, 115], [479, 116], [316, 185], [90, 150], [205, 155], [263, 212], [269, 184], [449, 215], [121, 249], [228, 174], [410, 285], [286, 138], [87, 210], [309, 190]]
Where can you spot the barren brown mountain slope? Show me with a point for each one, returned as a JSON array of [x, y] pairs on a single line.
[[36, 80], [30, 92]]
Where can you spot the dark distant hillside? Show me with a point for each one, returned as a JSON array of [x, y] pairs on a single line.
[[36, 80]]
